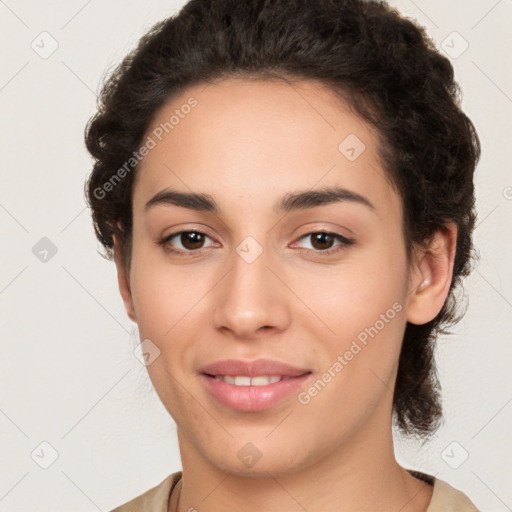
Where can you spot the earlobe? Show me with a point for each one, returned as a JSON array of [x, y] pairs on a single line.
[[431, 277], [123, 281]]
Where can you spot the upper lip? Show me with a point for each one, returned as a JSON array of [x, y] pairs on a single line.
[[235, 367]]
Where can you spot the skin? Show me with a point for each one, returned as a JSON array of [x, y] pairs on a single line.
[[247, 144]]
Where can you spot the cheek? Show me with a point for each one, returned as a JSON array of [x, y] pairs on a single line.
[[351, 297], [359, 361], [164, 295], [166, 300], [361, 304]]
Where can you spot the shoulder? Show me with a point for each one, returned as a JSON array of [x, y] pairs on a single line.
[[153, 500], [446, 498]]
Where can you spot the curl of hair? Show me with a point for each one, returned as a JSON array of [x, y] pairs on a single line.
[[388, 70]]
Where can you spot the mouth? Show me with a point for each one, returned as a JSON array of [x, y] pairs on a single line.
[[243, 393], [258, 380], [238, 368]]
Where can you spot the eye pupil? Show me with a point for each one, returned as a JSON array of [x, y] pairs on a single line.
[[196, 239], [322, 238]]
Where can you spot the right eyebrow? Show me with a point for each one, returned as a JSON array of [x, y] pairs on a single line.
[[190, 200]]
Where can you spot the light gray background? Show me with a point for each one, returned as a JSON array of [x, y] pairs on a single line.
[[68, 375]]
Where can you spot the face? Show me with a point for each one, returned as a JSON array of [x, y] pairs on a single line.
[[320, 284]]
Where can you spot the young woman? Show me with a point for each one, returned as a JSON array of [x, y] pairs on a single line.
[[286, 188]]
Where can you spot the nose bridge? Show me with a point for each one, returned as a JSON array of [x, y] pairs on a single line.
[[250, 296]]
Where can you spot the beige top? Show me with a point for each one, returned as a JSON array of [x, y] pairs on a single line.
[[445, 498]]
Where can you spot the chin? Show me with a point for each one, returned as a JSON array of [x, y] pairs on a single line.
[[257, 460]]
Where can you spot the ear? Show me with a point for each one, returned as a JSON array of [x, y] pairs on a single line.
[[431, 276], [123, 280]]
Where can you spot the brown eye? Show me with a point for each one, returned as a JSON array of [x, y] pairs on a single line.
[[184, 241], [192, 239], [325, 242], [322, 241]]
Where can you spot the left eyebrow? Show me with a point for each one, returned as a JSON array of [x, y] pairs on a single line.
[[319, 197], [299, 200]]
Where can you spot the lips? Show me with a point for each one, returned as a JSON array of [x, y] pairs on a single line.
[[240, 385], [256, 368]]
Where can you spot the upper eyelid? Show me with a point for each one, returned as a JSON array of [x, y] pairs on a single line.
[[344, 239], [170, 236], [167, 238]]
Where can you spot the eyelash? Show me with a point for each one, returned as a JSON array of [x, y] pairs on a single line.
[[345, 242]]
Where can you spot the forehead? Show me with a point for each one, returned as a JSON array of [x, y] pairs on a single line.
[[247, 137]]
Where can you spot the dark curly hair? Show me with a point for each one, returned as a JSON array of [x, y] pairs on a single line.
[[366, 52]]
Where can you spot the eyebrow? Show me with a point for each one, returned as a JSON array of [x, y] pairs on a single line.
[[300, 200]]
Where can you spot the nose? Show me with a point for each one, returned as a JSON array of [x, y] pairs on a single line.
[[251, 299]]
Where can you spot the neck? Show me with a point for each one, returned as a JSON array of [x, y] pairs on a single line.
[[360, 475]]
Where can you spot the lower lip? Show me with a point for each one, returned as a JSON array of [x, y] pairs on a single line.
[[252, 398]]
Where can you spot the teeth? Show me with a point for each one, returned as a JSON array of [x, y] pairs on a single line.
[[240, 380]]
